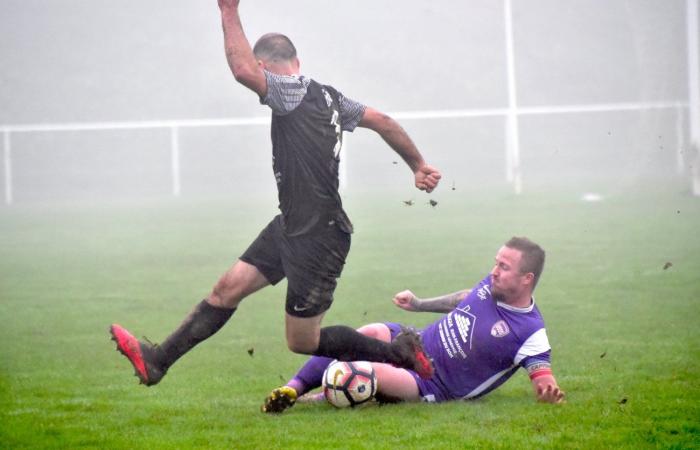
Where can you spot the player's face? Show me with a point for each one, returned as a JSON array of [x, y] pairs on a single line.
[[506, 280]]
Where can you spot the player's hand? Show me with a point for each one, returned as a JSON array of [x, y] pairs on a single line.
[[407, 300], [228, 3], [550, 394], [427, 178]]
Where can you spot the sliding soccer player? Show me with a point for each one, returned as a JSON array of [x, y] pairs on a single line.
[[487, 334]]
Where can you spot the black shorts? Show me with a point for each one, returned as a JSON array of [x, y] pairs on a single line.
[[312, 263]]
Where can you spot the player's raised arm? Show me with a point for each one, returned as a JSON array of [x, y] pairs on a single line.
[[239, 54], [427, 177], [407, 300]]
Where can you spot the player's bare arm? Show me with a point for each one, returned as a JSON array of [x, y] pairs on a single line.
[[545, 386], [239, 54], [426, 176], [443, 304]]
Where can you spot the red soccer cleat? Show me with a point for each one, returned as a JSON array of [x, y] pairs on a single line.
[[139, 354], [410, 349], [424, 367]]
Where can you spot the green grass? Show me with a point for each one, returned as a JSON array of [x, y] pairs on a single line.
[[624, 330]]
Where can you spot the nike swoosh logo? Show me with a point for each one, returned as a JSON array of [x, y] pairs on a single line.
[[298, 309]]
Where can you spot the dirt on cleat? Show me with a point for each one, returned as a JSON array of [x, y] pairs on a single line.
[[279, 400]]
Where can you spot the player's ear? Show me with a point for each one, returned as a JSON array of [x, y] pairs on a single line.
[[529, 278]]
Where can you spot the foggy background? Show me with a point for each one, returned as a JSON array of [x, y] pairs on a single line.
[[68, 63]]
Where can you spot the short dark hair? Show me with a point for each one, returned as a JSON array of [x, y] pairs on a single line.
[[274, 47], [532, 256]]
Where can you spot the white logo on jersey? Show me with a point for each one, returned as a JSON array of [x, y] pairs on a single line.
[[338, 141], [483, 292], [327, 96], [463, 325], [456, 332], [500, 329]]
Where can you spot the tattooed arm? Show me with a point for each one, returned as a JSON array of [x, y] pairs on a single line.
[[443, 304]]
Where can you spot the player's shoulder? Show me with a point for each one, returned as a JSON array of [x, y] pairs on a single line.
[[482, 289], [329, 88], [478, 295], [326, 90], [524, 322]]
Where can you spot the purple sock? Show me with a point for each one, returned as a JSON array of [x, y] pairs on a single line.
[[310, 376]]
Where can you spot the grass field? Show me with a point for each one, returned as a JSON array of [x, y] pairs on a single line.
[[624, 329]]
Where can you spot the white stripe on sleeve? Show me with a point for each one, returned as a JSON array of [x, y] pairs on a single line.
[[534, 345]]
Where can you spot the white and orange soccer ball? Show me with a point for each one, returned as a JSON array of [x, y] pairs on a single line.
[[349, 383]]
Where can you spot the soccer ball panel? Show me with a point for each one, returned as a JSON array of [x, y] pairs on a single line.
[[349, 383]]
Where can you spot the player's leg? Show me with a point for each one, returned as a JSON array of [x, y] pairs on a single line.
[[392, 382], [311, 373], [302, 337], [344, 343], [241, 280], [152, 362], [395, 384], [306, 305], [313, 264], [259, 266]]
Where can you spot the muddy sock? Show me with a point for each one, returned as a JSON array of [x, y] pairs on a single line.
[[200, 324], [346, 344]]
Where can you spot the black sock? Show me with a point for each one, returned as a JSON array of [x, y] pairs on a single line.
[[201, 323], [346, 344]]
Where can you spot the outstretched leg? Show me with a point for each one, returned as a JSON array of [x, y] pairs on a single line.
[[151, 362], [346, 344], [305, 335]]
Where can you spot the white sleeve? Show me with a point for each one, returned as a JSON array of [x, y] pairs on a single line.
[[534, 345]]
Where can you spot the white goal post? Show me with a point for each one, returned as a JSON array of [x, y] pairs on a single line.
[[693, 39]]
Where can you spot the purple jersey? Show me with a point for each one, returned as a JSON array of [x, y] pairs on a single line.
[[480, 344]]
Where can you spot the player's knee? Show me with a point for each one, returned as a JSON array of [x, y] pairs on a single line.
[[305, 347], [376, 331], [227, 294]]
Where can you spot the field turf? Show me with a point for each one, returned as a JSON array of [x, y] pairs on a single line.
[[620, 295]]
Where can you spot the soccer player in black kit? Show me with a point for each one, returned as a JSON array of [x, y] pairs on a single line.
[[308, 242]]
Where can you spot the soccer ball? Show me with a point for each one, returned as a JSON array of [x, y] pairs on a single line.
[[349, 383]]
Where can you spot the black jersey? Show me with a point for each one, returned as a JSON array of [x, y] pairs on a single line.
[[306, 153]]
